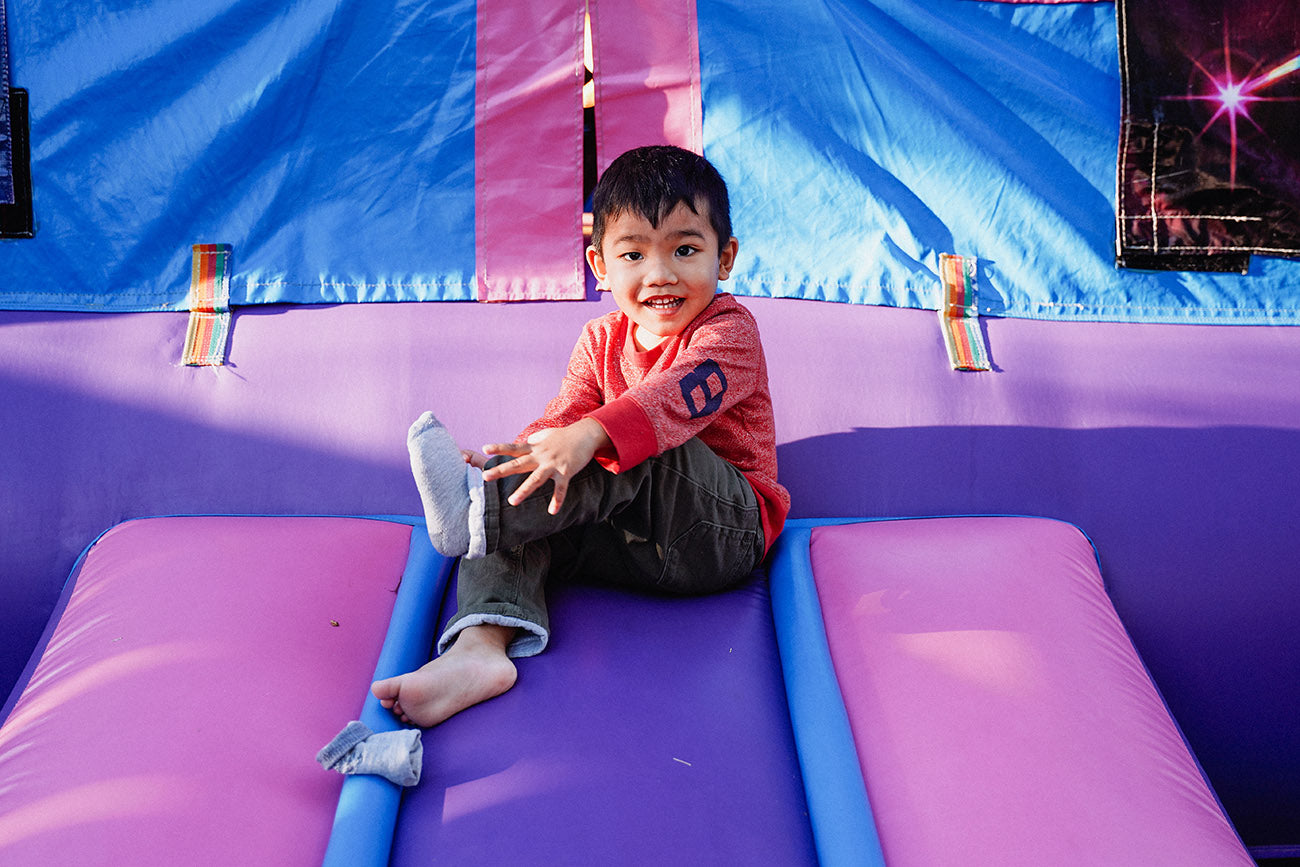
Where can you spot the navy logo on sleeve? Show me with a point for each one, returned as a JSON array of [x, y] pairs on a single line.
[[703, 388]]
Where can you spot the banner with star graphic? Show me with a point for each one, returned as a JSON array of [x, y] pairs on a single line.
[[1209, 156]]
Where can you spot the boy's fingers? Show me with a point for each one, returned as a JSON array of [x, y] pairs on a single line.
[[538, 478], [500, 471], [522, 463], [512, 449], [557, 496], [532, 483]]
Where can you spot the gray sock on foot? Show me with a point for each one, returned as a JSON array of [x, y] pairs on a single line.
[[442, 477]]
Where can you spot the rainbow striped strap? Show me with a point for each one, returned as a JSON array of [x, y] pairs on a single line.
[[209, 304], [959, 314]]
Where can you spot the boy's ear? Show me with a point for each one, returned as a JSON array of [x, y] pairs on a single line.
[[727, 258], [596, 263]]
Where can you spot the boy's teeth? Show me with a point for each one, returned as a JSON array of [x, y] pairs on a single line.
[[663, 303]]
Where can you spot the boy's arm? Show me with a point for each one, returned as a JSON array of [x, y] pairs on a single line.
[[721, 365]]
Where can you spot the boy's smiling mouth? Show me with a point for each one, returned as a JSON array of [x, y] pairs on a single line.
[[664, 302]]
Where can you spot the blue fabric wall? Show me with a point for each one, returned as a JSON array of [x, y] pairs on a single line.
[[331, 142], [862, 139]]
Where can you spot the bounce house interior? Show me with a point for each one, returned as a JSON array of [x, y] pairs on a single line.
[[1027, 283]]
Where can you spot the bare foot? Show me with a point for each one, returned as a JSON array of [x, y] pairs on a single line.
[[474, 669]]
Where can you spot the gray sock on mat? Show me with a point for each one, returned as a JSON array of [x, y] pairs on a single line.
[[443, 478], [396, 756]]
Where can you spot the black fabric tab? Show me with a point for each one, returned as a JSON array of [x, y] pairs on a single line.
[[16, 218]]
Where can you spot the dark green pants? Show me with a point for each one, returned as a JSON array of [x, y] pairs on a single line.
[[686, 522]]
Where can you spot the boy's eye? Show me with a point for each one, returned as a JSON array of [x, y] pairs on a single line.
[[630, 256], [685, 250]]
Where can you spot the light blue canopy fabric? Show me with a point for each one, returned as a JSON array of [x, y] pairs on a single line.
[[862, 139], [330, 142]]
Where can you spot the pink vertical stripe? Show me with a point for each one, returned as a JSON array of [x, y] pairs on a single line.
[[647, 60], [528, 150]]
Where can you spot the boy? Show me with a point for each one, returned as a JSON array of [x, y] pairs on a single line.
[[654, 467]]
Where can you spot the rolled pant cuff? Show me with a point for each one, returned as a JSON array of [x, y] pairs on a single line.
[[529, 641], [477, 529]]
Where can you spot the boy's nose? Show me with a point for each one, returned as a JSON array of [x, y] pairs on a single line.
[[660, 273]]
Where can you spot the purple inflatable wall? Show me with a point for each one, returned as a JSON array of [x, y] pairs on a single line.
[[1174, 447]]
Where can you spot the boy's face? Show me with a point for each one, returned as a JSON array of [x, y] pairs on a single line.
[[662, 278]]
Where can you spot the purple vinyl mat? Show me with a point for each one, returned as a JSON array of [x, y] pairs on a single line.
[[1000, 713], [653, 730], [196, 669], [1173, 447], [381, 157]]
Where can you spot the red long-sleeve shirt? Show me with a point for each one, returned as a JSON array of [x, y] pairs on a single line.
[[710, 382]]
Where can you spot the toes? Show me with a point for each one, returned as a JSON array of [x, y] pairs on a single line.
[[385, 690]]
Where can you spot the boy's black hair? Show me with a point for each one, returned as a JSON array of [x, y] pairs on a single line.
[[651, 181]]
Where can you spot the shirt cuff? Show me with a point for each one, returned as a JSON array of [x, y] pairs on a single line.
[[630, 431]]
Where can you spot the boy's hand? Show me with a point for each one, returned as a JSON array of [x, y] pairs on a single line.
[[555, 454]]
